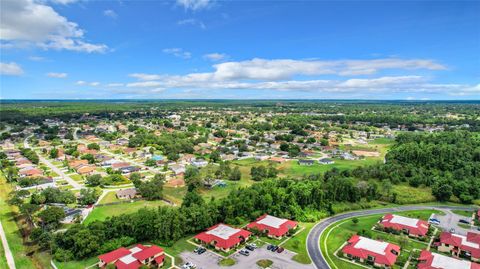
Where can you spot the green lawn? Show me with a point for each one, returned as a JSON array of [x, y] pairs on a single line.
[[293, 169], [3, 259], [227, 262], [77, 177], [11, 228], [77, 264], [340, 232], [298, 243], [103, 212], [110, 197], [465, 213]]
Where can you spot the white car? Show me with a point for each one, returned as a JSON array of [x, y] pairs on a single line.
[[189, 265]]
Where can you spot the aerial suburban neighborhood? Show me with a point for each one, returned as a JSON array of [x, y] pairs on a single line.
[[211, 134]]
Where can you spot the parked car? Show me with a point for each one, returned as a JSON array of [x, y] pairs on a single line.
[[250, 247], [189, 265], [452, 231], [434, 221], [274, 248], [269, 247], [280, 250], [201, 251], [464, 221], [244, 252]]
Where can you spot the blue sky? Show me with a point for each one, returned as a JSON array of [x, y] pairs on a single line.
[[68, 49]]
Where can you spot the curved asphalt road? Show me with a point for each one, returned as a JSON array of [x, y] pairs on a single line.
[[313, 239]]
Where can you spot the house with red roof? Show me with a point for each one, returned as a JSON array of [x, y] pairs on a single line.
[[366, 250], [133, 258], [460, 245], [412, 227], [273, 226], [429, 260], [223, 237]]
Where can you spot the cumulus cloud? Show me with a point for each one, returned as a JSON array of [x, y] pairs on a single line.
[[193, 22], [215, 57], [110, 13], [178, 52], [29, 22], [56, 75], [10, 69], [195, 4]]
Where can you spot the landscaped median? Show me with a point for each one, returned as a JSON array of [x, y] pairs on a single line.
[[337, 234]]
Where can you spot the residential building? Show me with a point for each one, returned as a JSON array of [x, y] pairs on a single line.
[[366, 250], [133, 258], [460, 245], [430, 260], [223, 237], [273, 226], [412, 227]]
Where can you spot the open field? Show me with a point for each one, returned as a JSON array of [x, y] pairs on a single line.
[[103, 212]]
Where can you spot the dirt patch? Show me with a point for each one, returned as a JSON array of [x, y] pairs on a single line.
[[366, 153]]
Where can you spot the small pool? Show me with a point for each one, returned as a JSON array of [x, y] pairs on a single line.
[[157, 157]]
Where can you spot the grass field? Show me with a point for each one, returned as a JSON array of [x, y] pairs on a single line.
[[298, 244], [110, 197], [464, 213], [11, 228], [3, 259], [409, 195], [103, 212], [337, 234]]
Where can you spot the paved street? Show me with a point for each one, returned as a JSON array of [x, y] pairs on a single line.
[[57, 170], [8, 252]]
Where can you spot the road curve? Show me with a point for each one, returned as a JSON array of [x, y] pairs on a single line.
[[313, 238]]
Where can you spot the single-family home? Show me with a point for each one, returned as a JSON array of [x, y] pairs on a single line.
[[273, 226], [430, 260], [223, 237], [380, 254], [30, 172], [412, 227], [306, 162], [326, 161]]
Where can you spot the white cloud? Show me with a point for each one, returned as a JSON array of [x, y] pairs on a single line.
[[56, 75], [178, 52], [145, 84], [215, 57], [110, 13], [28, 22], [193, 22], [195, 4], [85, 83], [10, 69], [143, 76], [36, 58], [63, 2]]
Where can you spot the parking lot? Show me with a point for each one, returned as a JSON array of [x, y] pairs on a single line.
[[282, 260], [450, 221]]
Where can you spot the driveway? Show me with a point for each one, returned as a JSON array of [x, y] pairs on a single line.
[[280, 260], [450, 220]]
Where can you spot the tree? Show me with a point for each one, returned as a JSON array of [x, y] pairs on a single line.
[[93, 146], [442, 190], [87, 196], [150, 162], [53, 153], [12, 174], [89, 157], [94, 180], [51, 217], [215, 157], [152, 189], [235, 175], [355, 221], [192, 177]]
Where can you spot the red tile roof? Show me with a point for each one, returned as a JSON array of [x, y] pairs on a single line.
[[458, 241], [385, 258], [419, 229], [114, 255], [281, 230], [426, 261], [148, 253], [230, 241], [133, 265]]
